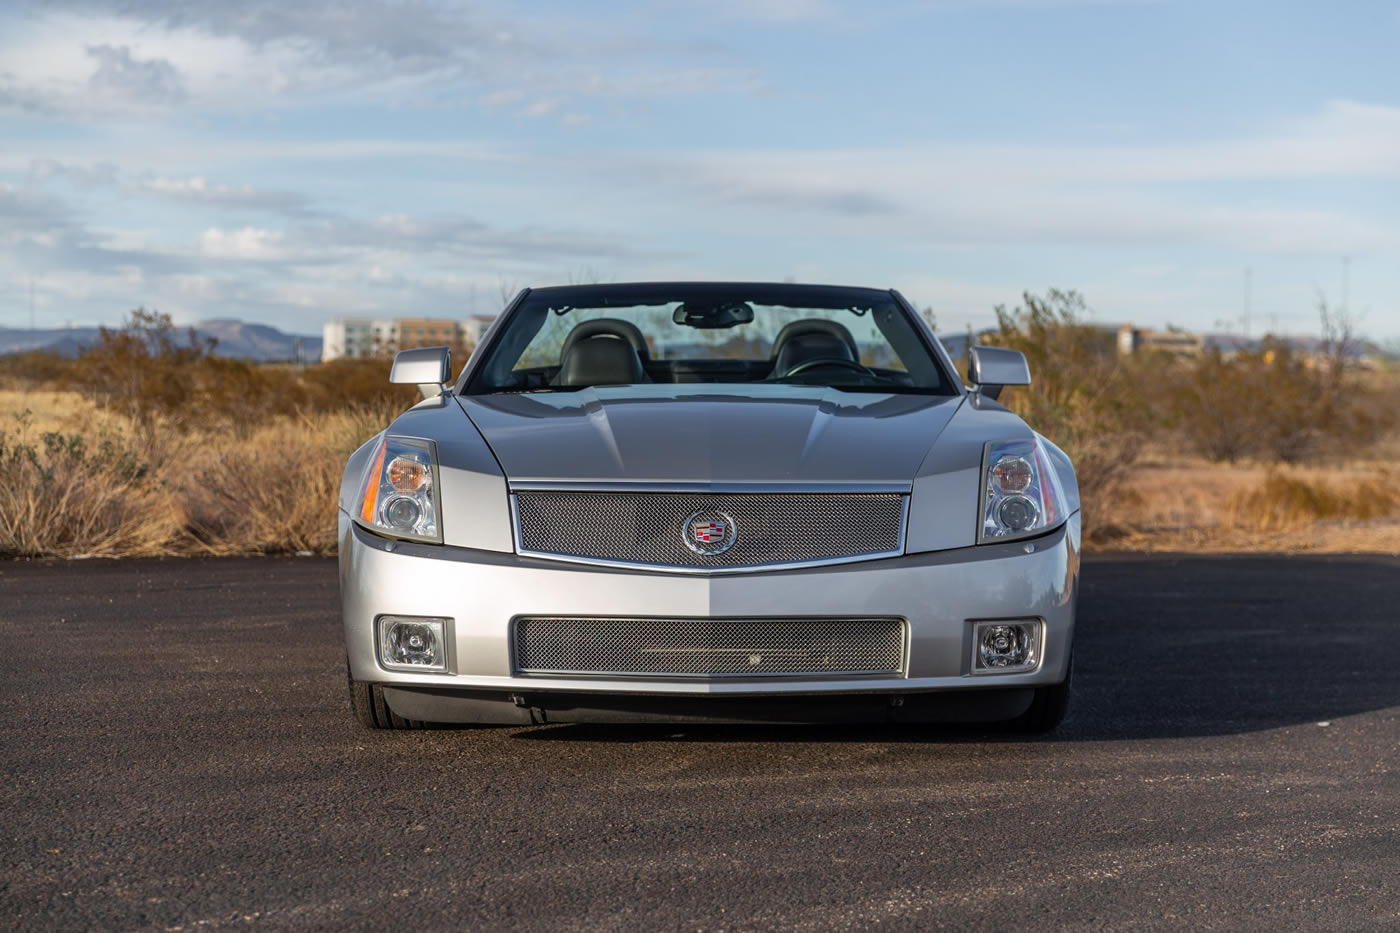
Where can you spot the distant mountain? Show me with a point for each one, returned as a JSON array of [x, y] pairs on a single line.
[[260, 343], [1357, 347], [67, 341], [956, 344]]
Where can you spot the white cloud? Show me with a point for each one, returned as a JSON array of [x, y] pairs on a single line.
[[145, 57], [543, 108], [387, 36], [249, 243], [197, 191], [502, 98], [1111, 196], [110, 67]]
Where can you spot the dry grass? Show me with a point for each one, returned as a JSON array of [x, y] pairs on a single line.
[[274, 490], [63, 498], [1186, 505], [82, 482], [57, 410]]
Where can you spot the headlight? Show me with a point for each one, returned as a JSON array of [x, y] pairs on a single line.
[[399, 496], [1021, 494]]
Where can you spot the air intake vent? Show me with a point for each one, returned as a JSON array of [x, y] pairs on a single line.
[[709, 647]]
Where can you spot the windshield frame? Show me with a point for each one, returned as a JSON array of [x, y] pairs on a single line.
[[640, 293]]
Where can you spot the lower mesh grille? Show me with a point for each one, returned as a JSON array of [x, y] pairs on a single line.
[[709, 647]]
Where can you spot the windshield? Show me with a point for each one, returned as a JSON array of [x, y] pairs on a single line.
[[565, 339]]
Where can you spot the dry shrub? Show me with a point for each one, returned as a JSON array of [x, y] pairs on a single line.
[[354, 384], [189, 453], [1285, 502], [143, 370], [34, 370], [1083, 395], [1265, 403], [278, 498], [1276, 404], [274, 490], [64, 498], [158, 489], [157, 376], [193, 454]]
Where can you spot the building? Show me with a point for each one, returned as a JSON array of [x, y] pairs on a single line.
[[1173, 342], [355, 338], [429, 332], [477, 325], [358, 338]]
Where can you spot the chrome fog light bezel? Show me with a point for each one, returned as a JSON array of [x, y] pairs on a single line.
[[1035, 630], [383, 646]]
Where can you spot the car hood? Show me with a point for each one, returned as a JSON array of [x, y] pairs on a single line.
[[710, 435]]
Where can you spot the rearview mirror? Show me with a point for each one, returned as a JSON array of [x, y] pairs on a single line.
[[713, 317], [426, 367], [990, 368]]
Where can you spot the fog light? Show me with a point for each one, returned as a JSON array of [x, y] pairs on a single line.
[[413, 644], [1005, 647]]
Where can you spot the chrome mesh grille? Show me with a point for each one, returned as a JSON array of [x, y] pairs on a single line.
[[769, 528], [709, 647]]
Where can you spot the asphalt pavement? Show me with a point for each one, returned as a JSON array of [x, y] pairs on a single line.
[[179, 754]]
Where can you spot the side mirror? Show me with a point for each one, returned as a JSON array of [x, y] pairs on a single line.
[[990, 368], [426, 367]]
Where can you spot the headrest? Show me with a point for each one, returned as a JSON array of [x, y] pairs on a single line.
[[800, 348], [607, 325], [601, 360]]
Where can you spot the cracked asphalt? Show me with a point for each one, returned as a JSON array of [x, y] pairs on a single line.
[[179, 754]]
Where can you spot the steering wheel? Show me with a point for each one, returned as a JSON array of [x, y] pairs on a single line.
[[826, 361]]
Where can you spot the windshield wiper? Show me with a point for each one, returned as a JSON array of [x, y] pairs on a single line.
[[886, 390], [525, 390]]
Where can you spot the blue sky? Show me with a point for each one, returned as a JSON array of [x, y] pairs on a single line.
[[288, 161]]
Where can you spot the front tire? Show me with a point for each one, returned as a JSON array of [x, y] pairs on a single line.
[[373, 712], [1047, 709]]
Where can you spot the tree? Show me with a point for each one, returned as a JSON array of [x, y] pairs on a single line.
[[144, 369]]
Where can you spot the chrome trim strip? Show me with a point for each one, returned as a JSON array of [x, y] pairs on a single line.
[[898, 551], [668, 486], [633, 675]]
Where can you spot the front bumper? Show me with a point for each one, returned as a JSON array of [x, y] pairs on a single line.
[[938, 593]]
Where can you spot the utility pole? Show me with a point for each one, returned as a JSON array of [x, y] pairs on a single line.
[[1248, 285]]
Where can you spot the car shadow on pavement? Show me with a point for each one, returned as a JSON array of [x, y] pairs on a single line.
[[1171, 647]]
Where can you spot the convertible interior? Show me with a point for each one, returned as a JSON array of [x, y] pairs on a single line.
[[611, 351]]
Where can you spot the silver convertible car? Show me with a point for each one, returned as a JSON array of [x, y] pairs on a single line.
[[709, 503]]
